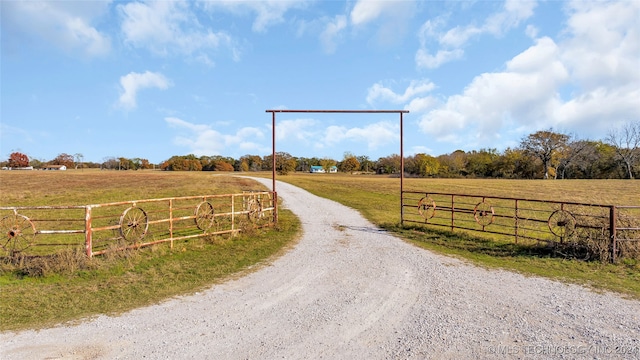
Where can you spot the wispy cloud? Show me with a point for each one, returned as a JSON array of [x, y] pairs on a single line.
[[267, 13], [201, 139], [170, 27], [449, 44], [378, 92], [61, 24]]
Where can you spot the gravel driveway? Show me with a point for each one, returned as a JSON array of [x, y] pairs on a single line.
[[351, 291]]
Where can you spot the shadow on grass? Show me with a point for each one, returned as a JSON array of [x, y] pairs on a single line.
[[462, 242]]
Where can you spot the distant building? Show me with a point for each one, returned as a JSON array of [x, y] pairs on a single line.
[[316, 169], [54, 167], [18, 168]]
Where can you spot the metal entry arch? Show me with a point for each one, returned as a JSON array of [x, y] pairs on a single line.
[[273, 143]]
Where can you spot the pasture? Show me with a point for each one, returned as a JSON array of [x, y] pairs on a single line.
[[75, 287], [377, 198], [46, 290]]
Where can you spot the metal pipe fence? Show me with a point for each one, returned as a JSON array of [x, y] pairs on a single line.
[[38, 230], [607, 229]]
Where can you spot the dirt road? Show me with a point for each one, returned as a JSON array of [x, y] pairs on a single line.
[[349, 290]]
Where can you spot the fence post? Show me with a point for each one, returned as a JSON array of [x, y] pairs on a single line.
[[233, 214], [88, 234], [453, 211], [275, 207], [613, 214], [171, 222], [517, 220]]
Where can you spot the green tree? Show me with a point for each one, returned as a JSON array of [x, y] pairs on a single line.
[[366, 164], [327, 164], [453, 165], [389, 165], [423, 165], [544, 145], [482, 163]]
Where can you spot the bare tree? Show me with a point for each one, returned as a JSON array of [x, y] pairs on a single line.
[[626, 141], [78, 157]]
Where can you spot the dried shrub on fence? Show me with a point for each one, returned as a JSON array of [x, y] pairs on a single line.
[[66, 261]]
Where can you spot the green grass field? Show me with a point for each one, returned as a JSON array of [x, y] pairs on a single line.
[[378, 199], [46, 291], [121, 281]]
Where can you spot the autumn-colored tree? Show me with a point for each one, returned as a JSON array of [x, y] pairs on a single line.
[[545, 145], [18, 159], [254, 162], [64, 159], [223, 166], [285, 163], [349, 164]]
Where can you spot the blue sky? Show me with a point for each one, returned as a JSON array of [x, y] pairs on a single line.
[[157, 79]]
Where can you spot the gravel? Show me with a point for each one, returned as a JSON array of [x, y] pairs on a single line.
[[350, 290]]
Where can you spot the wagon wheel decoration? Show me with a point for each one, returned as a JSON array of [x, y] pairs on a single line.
[[427, 207], [484, 213], [18, 231], [254, 208], [562, 223], [204, 216], [134, 224]]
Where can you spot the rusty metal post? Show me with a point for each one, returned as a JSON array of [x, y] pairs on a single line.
[[171, 223], [273, 151], [453, 211], [88, 234], [612, 232], [517, 220], [401, 171], [233, 214], [273, 167]]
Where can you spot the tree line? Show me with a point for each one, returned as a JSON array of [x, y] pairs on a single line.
[[544, 154]]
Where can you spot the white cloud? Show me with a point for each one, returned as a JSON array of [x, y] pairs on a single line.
[[134, 82], [426, 60], [374, 135], [66, 26], [585, 84], [603, 43], [391, 18], [166, 26], [452, 41], [202, 139], [367, 11], [523, 94], [379, 92], [332, 30], [267, 12], [300, 129]]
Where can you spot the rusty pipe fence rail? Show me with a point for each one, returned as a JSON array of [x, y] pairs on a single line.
[[38, 230], [613, 229]]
